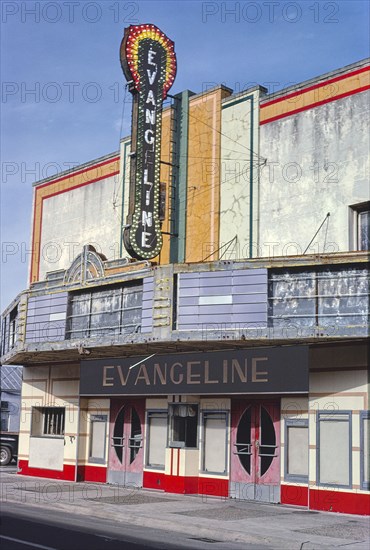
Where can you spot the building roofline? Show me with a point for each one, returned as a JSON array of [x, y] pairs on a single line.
[[78, 168], [265, 98], [300, 86]]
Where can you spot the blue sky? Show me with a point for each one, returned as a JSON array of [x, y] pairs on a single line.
[[63, 88]]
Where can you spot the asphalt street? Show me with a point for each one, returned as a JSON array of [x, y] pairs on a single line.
[[26, 529]]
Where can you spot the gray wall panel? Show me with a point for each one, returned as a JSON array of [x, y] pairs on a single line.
[[189, 292], [213, 274], [190, 310], [218, 282], [216, 291], [192, 275], [189, 301], [247, 287], [215, 309], [40, 326], [216, 318], [147, 305], [189, 283]]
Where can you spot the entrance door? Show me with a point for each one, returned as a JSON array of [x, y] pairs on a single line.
[[255, 450], [126, 442]]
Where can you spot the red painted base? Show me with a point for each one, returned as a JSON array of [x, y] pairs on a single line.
[[294, 495], [153, 480], [335, 501], [319, 499], [326, 500], [92, 473], [181, 485], [213, 487], [68, 472], [190, 485]]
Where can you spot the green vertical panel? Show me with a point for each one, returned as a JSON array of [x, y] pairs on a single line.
[[123, 222], [251, 209], [177, 242]]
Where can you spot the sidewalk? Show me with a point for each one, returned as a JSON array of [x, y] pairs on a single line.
[[274, 526]]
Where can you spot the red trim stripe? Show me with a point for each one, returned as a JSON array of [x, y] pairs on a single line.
[[73, 174], [80, 185], [316, 104], [340, 502], [294, 495], [315, 87], [86, 472], [68, 472]]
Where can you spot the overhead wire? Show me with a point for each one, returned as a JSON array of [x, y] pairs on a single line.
[[224, 135], [258, 161]]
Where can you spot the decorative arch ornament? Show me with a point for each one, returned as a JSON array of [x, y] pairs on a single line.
[[87, 265]]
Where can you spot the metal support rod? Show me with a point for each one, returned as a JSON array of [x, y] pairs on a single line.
[[311, 241]]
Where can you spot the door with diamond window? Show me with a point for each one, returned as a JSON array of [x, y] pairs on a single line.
[[255, 451]]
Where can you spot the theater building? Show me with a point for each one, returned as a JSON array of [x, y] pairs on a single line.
[[197, 316]]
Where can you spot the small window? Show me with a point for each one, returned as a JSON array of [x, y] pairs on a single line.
[[98, 433], [156, 439], [296, 450], [9, 330], [360, 226], [334, 447], [48, 421], [365, 450], [13, 317], [183, 425]]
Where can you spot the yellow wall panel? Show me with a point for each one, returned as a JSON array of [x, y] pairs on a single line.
[[322, 92], [165, 177], [203, 194]]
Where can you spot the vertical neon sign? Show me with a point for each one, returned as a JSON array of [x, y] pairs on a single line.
[[148, 61]]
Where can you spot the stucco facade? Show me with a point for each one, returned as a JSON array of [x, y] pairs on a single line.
[[235, 363]]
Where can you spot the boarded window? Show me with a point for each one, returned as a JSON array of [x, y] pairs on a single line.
[[296, 450], [113, 311], [98, 432], [215, 442], [334, 449], [365, 450], [156, 439]]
